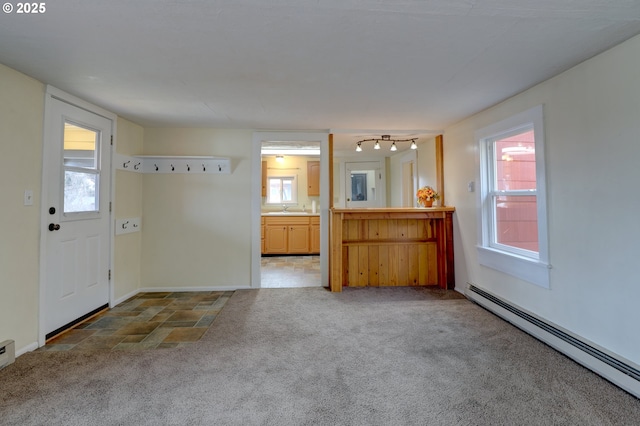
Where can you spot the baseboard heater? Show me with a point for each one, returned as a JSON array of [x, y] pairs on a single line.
[[622, 373]]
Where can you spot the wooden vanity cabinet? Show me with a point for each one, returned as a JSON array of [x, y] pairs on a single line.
[[291, 235]]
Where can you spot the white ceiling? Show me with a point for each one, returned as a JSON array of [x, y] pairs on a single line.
[[388, 67]]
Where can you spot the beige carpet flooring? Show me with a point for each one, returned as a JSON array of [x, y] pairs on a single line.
[[373, 356]]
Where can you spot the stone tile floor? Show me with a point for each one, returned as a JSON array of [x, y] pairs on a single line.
[[146, 321], [290, 271]]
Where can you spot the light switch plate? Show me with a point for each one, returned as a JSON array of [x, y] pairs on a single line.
[[28, 197]]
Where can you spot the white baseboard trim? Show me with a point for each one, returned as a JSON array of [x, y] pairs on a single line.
[[619, 371], [176, 289], [29, 348], [123, 298]]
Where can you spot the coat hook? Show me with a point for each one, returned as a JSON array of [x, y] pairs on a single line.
[[126, 164], [204, 169], [219, 168], [124, 225], [172, 168], [156, 166], [136, 166], [188, 168]]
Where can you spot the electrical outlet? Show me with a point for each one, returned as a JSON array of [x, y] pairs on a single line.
[[471, 186]]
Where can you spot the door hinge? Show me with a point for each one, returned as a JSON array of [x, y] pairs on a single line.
[[109, 274], [109, 206], [111, 140]]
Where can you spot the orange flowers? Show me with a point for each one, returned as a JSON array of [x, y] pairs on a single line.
[[427, 193]]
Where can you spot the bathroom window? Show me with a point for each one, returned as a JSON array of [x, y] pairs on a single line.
[[512, 201], [282, 190]]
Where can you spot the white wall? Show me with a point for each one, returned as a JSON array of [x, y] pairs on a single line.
[[592, 128], [427, 163], [395, 176], [128, 204], [196, 229], [21, 117]]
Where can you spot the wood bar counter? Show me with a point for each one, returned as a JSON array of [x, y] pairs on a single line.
[[392, 247]]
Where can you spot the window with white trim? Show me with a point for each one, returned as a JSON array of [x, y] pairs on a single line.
[[282, 190], [512, 197]]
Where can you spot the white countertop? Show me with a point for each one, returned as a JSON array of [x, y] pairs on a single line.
[[289, 213]]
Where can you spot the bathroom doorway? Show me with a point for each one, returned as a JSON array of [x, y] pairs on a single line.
[[290, 254]]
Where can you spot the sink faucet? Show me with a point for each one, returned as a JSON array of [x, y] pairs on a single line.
[[284, 207]]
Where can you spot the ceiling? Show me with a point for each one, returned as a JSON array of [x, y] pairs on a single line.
[[360, 68]]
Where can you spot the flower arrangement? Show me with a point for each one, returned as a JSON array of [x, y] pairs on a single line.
[[426, 195]]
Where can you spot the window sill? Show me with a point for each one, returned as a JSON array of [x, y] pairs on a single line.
[[531, 270]]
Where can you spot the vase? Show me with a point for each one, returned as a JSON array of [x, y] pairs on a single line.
[[426, 203]]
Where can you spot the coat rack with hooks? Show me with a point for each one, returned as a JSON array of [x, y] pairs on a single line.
[[173, 164]]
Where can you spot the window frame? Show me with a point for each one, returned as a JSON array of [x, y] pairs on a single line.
[[95, 170], [524, 264], [294, 189]]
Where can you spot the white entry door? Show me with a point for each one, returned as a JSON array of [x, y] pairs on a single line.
[[76, 217]]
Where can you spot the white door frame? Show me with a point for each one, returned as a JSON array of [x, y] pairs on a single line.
[[256, 197], [412, 158], [51, 94]]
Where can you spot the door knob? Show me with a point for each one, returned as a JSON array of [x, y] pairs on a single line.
[[54, 227]]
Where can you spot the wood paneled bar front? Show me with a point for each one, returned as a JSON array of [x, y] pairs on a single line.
[[392, 247]]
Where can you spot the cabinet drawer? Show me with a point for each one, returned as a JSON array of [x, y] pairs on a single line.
[[287, 220]]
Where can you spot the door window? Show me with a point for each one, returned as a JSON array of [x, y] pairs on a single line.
[[81, 169]]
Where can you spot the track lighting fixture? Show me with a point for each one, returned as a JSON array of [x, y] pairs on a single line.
[[386, 138]]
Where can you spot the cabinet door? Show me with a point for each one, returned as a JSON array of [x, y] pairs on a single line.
[[298, 239], [262, 247], [314, 230], [275, 239], [313, 178]]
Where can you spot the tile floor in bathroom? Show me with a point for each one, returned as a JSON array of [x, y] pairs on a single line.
[[290, 271]]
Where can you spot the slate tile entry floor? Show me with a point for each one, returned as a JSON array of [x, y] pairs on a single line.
[[146, 321]]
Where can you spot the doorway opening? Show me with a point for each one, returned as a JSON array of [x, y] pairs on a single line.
[[290, 210]]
